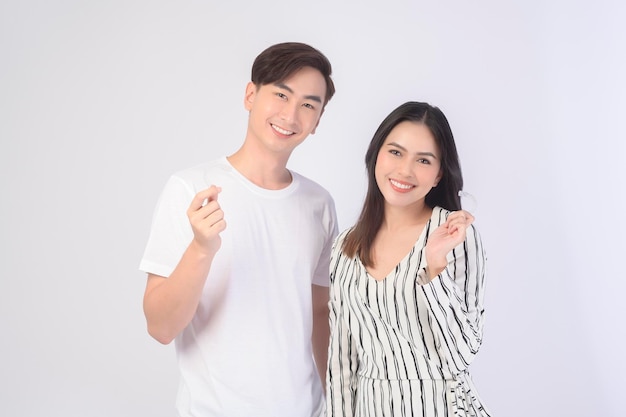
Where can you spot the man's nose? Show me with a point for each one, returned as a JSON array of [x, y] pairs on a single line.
[[289, 111]]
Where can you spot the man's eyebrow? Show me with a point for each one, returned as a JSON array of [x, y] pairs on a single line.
[[310, 97], [394, 144]]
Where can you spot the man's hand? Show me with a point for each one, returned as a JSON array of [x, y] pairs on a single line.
[[207, 220]]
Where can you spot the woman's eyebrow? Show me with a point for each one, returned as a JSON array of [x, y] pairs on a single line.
[[422, 153]]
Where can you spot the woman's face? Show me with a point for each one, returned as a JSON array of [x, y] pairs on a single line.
[[408, 165]]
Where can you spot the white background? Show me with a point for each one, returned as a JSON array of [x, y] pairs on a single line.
[[101, 101]]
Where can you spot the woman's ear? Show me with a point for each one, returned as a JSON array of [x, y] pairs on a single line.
[[438, 178]]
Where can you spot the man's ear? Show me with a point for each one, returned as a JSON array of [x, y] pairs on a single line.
[[249, 96], [318, 122]]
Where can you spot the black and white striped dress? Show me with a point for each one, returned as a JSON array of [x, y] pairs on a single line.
[[400, 348]]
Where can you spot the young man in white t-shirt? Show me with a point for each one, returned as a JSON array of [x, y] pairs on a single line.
[[238, 255]]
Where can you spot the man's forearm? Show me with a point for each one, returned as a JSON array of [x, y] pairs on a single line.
[[170, 303]]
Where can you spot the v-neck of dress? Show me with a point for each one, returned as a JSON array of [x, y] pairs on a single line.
[[419, 242]]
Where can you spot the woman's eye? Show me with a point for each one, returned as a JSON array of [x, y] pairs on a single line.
[[394, 152], [423, 161]]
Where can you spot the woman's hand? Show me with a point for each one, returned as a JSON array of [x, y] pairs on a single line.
[[445, 238]]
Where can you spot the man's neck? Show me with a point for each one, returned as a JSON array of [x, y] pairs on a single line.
[[266, 171]]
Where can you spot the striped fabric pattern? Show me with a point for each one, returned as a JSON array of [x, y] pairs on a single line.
[[400, 347]]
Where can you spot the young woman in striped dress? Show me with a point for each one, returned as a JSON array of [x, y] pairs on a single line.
[[407, 281]]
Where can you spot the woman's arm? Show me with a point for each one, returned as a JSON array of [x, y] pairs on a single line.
[[455, 297], [342, 355]]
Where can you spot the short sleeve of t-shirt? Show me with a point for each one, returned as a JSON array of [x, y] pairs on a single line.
[[322, 272], [171, 232]]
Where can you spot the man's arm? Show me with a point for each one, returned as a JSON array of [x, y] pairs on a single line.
[[170, 303], [321, 332]]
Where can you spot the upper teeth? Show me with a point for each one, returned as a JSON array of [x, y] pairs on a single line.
[[399, 185], [283, 131]]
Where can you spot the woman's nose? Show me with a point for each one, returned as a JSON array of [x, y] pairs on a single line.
[[406, 166]]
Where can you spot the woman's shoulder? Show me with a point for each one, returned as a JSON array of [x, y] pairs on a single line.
[[438, 209], [342, 237], [439, 215]]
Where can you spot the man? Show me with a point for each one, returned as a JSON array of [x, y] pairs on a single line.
[[238, 255]]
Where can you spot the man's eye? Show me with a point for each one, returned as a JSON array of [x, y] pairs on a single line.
[[309, 106], [281, 95]]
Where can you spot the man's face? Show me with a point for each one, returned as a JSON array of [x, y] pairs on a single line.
[[283, 114]]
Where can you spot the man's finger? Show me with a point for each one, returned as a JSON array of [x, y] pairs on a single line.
[[204, 196]]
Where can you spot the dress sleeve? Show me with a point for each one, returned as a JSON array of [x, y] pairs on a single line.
[[342, 356], [455, 299]]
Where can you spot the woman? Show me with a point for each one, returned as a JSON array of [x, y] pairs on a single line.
[[407, 280]]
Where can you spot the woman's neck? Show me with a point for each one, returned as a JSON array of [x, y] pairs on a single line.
[[401, 218]]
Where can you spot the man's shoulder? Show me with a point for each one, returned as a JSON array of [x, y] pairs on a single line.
[[311, 186], [202, 171]]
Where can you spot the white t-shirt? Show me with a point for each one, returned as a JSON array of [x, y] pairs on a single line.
[[247, 351]]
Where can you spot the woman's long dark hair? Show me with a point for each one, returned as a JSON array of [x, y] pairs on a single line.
[[445, 194]]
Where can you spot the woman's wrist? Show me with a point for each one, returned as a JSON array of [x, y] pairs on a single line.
[[434, 269]]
